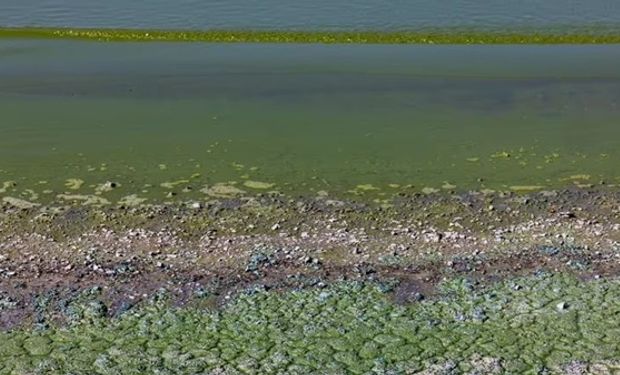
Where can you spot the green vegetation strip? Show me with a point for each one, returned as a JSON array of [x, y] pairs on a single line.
[[532, 325], [232, 36]]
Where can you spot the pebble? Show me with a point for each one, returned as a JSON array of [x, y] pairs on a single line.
[[562, 306]]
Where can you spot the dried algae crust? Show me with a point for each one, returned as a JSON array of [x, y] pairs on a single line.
[[540, 324]]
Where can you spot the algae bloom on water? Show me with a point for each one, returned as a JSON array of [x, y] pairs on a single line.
[[258, 185], [222, 190], [74, 183], [438, 36]]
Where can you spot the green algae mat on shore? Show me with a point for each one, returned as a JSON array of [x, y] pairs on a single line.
[[544, 324]]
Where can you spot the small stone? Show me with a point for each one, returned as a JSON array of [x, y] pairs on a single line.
[[459, 317], [256, 261], [107, 186], [323, 296], [562, 306], [567, 215], [479, 315], [434, 237]]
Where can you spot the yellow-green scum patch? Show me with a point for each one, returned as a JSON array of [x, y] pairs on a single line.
[[253, 36]]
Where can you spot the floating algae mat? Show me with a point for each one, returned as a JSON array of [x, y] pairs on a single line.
[[543, 324], [437, 36], [98, 123]]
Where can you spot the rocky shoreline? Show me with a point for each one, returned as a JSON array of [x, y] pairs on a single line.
[[207, 255]]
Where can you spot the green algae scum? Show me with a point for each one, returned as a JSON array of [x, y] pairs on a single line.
[[455, 36], [542, 324], [94, 123]]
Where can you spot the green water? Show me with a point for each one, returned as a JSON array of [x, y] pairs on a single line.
[[305, 118]]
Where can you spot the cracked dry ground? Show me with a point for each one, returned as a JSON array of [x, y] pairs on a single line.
[[466, 283]]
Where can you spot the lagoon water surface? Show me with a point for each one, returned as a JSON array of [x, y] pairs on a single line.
[[165, 119], [378, 15]]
